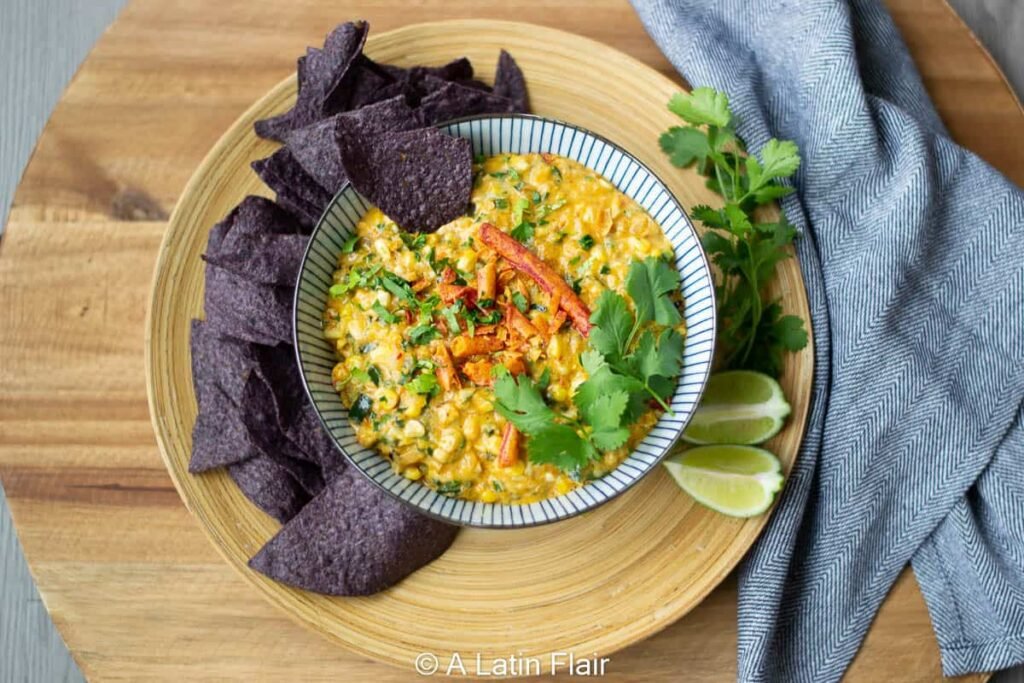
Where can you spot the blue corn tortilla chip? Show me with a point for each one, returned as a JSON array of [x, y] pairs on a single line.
[[240, 309], [259, 241], [367, 84], [220, 369], [259, 414], [295, 415], [309, 434], [321, 78], [420, 179], [270, 487], [219, 362], [460, 69], [296, 190], [352, 539], [317, 148], [509, 82], [453, 101], [219, 438]]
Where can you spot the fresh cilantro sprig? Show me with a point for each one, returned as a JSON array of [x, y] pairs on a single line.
[[755, 332], [646, 361], [553, 439], [634, 357]]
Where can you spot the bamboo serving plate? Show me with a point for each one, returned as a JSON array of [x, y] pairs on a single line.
[[587, 586]]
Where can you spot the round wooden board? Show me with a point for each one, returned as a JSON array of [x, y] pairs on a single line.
[[589, 585]]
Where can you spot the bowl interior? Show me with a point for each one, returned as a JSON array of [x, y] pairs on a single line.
[[497, 135]]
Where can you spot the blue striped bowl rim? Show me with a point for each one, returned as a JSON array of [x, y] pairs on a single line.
[[515, 134]]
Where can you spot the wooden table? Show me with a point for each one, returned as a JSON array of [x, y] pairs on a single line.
[[131, 583]]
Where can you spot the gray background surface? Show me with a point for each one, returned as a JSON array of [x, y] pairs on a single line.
[[42, 42]]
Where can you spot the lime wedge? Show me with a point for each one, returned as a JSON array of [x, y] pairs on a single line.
[[740, 481], [739, 406]]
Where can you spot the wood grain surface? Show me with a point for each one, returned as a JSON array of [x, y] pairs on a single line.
[[132, 584]]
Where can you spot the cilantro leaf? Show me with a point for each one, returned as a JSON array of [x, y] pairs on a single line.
[[648, 283], [703, 106], [777, 334], [685, 145], [613, 325], [779, 159], [662, 358], [523, 232], [605, 416], [520, 403], [602, 380], [737, 219], [713, 218], [561, 446]]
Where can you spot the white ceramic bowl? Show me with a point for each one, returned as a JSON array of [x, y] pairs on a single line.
[[515, 134]]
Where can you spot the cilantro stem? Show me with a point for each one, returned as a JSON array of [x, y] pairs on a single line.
[[659, 399], [718, 176]]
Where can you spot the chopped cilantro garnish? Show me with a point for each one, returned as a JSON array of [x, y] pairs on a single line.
[[384, 314], [350, 244], [500, 203], [524, 232], [449, 314], [423, 334], [413, 242], [587, 242], [448, 488], [424, 383], [517, 211], [397, 286]]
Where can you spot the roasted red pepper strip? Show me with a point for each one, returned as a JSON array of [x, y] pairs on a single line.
[[546, 278], [508, 454]]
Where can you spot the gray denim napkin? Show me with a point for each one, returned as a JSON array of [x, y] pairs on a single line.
[[913, 254]]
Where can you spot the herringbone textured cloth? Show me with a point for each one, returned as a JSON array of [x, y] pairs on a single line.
[[913, 253]]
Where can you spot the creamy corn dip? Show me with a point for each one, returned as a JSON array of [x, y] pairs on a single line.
[[418, 389]]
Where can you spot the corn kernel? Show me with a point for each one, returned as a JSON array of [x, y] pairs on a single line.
[[412, 474], [488, 496], [414, 404], [448, 441], [563, 485], [387, 400], [446, 414], [471, 427], [414, 429], [339, 374], [467, 260]]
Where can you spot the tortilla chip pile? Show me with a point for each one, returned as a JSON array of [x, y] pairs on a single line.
[[370, 125]]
